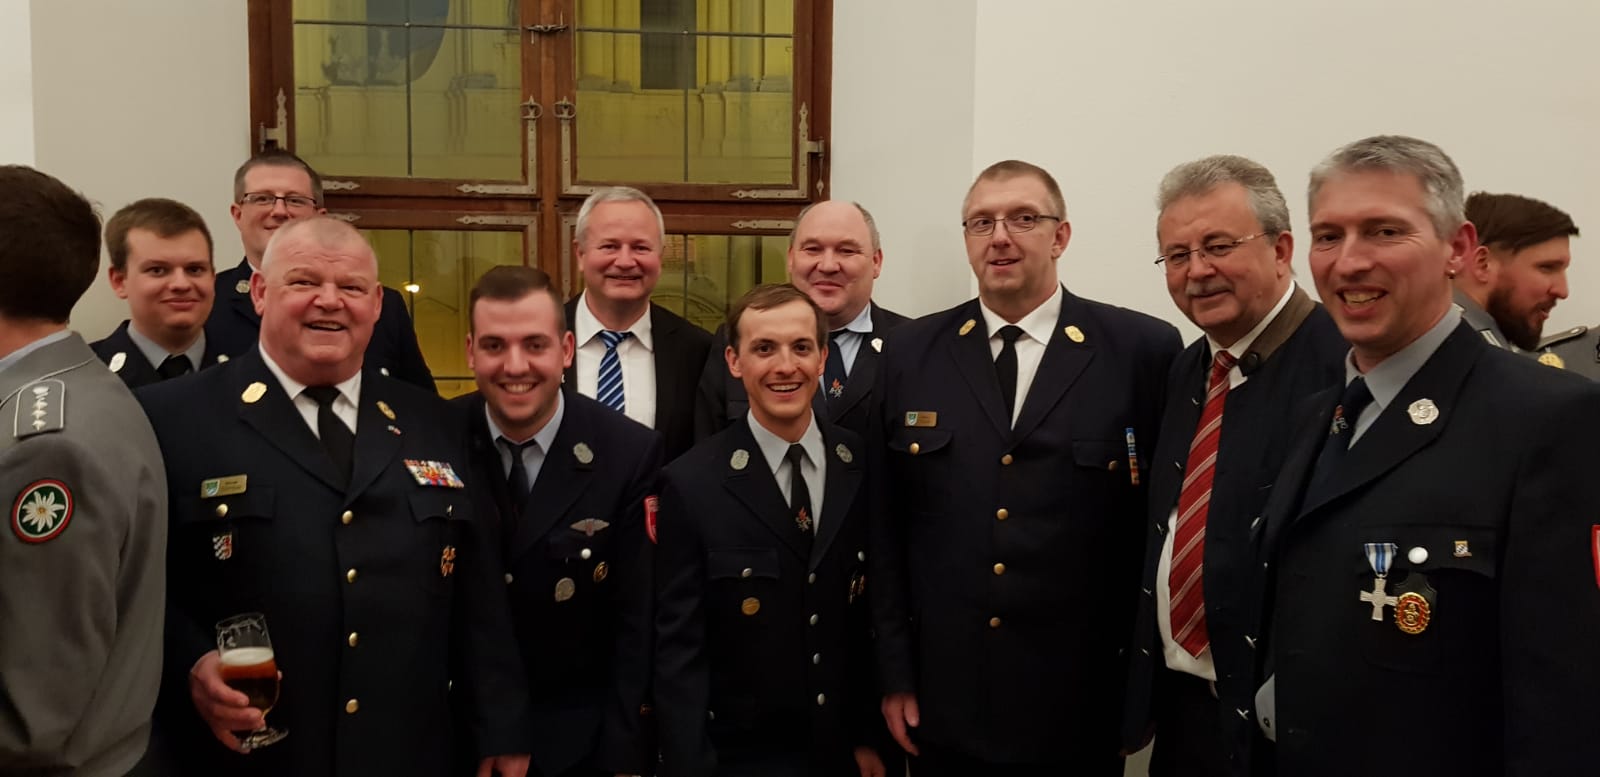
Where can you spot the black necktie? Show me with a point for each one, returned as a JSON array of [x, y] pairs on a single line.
[[1355, 399], [799, 495], [1005, 366], [174, 365], [833, 374], [517, 478], [337, 438]]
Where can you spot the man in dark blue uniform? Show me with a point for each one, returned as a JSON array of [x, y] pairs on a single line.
[[1429, 578], [1006, 556], [269, 191], [1226, 246], [564, 481], [330, 498], [834, 257], [161, 264], [762, 659]]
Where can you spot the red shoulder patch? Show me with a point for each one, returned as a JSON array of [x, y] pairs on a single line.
[[653, 503]]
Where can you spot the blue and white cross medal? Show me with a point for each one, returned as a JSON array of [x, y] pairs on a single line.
[[1379, 554]]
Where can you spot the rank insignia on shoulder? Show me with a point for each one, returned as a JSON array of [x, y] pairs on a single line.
[[117, 360], [925, 419], [433, 473], [228, 486], [222, 546], [388, 412], [590, 525], [46, 413], [447, 560], [41, 511]]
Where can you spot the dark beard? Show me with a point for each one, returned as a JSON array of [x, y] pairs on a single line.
[[1513, 324]]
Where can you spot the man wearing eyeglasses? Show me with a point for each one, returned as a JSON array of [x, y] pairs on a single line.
[[270, 190], [1019, 428], [1226, 247]]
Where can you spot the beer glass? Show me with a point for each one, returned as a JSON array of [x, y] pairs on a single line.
[[245, 650]]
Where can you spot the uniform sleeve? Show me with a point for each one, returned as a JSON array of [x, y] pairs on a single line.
[[63, 578], [1550, 598], [711, 396], [682, 676], [409, 365], [628, 742]]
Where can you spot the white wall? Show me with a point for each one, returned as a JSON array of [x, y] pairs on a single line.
[[16, 84], [145, 99]]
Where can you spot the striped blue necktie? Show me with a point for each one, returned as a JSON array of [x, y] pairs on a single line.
[[609, 388]]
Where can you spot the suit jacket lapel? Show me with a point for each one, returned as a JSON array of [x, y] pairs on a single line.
[[275, 418], [841, 481], [756, 489], [971, 354], [240, 300], [136, 369], [1394, 436], [1064, 360], [1178, 422], [668, 362], [562, 479], [376, 445], [863, 373], [487, 464]]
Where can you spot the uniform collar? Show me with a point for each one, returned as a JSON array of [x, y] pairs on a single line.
[[1037, 325]]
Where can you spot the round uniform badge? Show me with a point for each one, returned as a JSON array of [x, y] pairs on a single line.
[[41, 511], [1412, 612]]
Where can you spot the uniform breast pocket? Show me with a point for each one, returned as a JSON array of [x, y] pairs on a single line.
[[442, 520], [1101, 456], [1441, 604], [744, 583], [920, 459], [224, 529]]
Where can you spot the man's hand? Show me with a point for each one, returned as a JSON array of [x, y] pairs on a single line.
[[869, 764], [900, 712], [504, 765], [224, 709]]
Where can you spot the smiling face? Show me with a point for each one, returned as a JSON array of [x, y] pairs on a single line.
[[620, 253], [833, 261], [1382, 269], [779, 361], [257, 223], [517, 352], [318, 297], [1229, 295], [1016, 271], [167, 283]]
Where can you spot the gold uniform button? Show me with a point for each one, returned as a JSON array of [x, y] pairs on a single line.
[[1002, 514], [347, 517], [350, 576], [222, 511], [999, 569], [353, 639], [994, 623], [915, 449], [1006, 460], [351, 706]]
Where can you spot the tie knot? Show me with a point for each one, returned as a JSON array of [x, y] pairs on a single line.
[[1221, 365], [174, 365], [517, 448], [1355, 399], [796, 454], [323, 395], [1009, 333], [613, 338]]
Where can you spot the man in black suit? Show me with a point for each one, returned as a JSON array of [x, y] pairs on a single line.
[[269, 191], [564, 481], [1226, 246], [834, 257], [161, 264], [329, 498], [762, 661], [633, 355], [1019, 428], [1428, 570]]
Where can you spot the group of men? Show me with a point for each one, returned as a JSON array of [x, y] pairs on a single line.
[[1021, 536]]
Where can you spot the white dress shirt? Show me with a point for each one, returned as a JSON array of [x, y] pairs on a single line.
[[775, 450], [1036, 328], [636, 355], [344, 407]]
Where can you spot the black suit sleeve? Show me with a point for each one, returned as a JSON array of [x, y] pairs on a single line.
[[683, 675], [404, 354], [628, 741], [711, 397]]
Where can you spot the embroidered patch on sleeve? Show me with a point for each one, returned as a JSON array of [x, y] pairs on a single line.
[[42, 511]]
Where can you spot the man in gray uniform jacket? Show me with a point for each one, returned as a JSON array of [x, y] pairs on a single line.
[[82, 582]]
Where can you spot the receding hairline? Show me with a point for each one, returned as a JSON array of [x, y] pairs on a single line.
[[318, 231]]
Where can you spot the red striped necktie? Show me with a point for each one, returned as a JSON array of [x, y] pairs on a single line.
[[1194, 502]]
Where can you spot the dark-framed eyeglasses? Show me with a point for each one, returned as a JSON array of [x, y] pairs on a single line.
[[1178, 260], [268, 199], [978, 226]]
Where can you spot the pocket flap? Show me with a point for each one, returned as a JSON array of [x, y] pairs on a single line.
[[255, 503], [447, 503], [926, 440], [1467, 548]]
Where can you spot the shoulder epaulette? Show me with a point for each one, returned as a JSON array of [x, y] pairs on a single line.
[[41, 407], [1561, 337]]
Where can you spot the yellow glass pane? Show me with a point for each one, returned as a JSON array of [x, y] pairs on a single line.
[[703, 94], [427, 101], [701, 275], [435, 271]]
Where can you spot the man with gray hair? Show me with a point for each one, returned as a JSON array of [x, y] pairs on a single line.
[[1226, 246], [633, 355], [1412, 620]]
